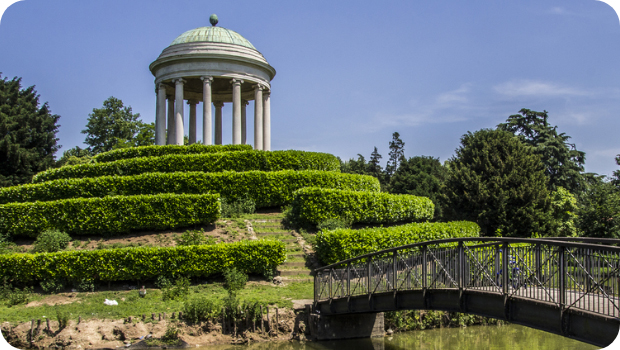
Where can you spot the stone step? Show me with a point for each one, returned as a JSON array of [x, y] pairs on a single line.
[[294, 272], [272, 233], [293, 263], [296, 255]]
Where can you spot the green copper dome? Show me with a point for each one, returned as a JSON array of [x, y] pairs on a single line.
[[212, 35]]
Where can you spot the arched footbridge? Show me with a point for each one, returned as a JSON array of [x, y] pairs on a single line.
[[566, 286]]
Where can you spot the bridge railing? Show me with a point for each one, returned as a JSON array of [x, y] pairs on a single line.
[[579, 273]]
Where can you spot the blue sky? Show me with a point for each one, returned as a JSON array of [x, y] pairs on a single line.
[[349, 73]]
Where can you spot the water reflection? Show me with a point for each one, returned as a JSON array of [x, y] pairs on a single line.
[[471, 338]]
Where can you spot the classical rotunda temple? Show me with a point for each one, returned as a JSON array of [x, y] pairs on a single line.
[[212, 65]]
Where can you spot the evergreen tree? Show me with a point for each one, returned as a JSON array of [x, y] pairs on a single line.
[[499, 182], [616, 176], [27, 133], [74, 156], [397, 154], [599, 215], [353, 166], [563, 163], [115, 126], [420, 176]]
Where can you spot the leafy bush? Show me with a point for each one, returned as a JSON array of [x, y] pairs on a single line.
[[235, 208], [158, 151], [86, 285], [332, 224], [14, 296], [191, 237], [314, 205], [50, 241], [213, 162], [115, 214], [199, 308], [234, 280], [342, 244], [133, 264], [52, 285], [267, 189], [179, 289], [62, 317]]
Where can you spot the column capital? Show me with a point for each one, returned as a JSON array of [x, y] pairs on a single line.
[[206, 79], [245, 102], [258, 87], [179, 81], [236, 81], [218, 104], [161, 86]]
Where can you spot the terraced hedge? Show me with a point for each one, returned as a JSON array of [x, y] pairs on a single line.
[[139, 264], [109, 215], [158, 151], [313, 205], [342, 244], [214, 162], [266, 188]]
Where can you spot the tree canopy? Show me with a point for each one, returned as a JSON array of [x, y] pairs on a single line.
[[115, 126], [599, 215], [28, 139], [563, 163], [499, 182]]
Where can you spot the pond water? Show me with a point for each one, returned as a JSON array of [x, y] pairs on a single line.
[[513, 337]]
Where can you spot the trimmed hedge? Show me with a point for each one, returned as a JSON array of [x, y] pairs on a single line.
[[313, 205], [267, 189], [158, 151], [142, 263], [342, 244], [214, 162], [109, 215]]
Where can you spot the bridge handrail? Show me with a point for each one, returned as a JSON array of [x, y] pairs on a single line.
[[553, 241]]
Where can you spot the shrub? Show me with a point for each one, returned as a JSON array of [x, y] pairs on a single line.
[[86, 285], [314, 205], [179, 289], [109, 215], [144, 263], [199, 308], [50, 241], [267, 189], [214, 162], [158, 151], [332, 224], [235, 208], [62, 317], [234, 280], [342, 244], [191, 237], [14, 296], [52, 285]]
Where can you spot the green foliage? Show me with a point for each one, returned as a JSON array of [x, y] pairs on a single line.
[[360, 167], [50, 241], [191, 237], [563, 210], [52, 285], [267, 189], [499, 182], [139, 264], [62, 317], [199, 308], [85, 285], [420, 176], [397, 155], [235, 208], [208, 162], [114, 125], [332, 224], [180, 289], [171, 336], [234, 280], [27, 133], [158, 151], [563, 164], [409, 320], [74, 156], [616, 176], [14, 296], [109, 215], [599, 215], [313, 205], [342, 244]]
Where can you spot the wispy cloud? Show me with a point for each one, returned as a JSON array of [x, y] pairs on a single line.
[[518, 88]]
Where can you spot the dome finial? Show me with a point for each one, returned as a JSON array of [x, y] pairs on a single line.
[[213, 19]]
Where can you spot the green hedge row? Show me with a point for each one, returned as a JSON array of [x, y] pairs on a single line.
[[312, 205], [142, 263], [158, 151], [109, 215], [342, 244], [213, 162], [268, 189]]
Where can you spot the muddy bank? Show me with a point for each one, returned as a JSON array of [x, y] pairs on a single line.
[[112, 334]]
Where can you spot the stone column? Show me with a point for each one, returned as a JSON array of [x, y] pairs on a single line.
[[207, 129], [218, 122], [244, 123], [258, 117], [192, 121], [267, 121], [178, 111], [171, 138], [236, 137], [160, 119]]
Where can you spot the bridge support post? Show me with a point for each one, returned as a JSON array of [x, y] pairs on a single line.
[[367, 325]]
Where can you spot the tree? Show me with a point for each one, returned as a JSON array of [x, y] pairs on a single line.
[[374, 168], [353, 166], [599, 215], [564, 213], [115, 126], [563, 163], [397, 153], [420, 176], [499, 182], [28, 139], [616, 176], [74, 156]]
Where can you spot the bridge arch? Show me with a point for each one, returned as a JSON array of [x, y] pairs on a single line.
[[566, 286]]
